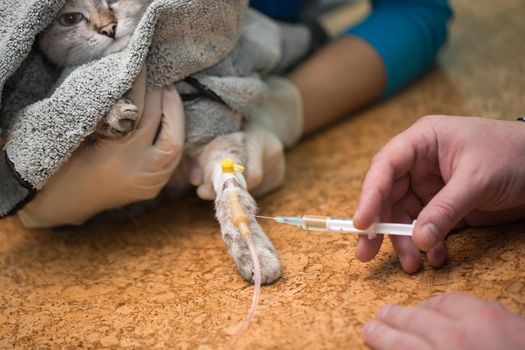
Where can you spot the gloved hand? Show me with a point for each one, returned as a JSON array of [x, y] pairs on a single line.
[[276, 123], [106, 174], [281, 112]]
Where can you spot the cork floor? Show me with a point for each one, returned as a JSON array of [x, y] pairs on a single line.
[[166, 281]]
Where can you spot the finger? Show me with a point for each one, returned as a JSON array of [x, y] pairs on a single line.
[[254, 168], [392, 162], [444, 211], [196, 176], [400, 189], [170, 142], [381, 336], [206, 191], [425, 186], [409, 255], [404, 211], [274, 174], [453, 305], [415, 321], [173, 123], [152, 115], [437, 255], [137, 94], [366, 249]]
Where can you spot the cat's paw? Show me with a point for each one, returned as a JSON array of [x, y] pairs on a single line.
[[119, 121], [268, 258]]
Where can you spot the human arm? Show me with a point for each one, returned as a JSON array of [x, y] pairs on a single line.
[[447, 321], [444, 172], [106, 174], [389, 49]]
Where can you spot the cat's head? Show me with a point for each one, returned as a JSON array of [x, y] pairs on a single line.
[[85, 30]]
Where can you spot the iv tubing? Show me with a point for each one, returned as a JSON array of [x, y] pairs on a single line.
[[240, 220], [256, 293]]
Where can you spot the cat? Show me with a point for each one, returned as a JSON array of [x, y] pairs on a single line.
[[86, 30]]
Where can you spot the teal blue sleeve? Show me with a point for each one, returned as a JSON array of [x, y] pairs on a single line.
[[407, 35]]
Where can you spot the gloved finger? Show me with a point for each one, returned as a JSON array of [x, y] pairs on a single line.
[[149, 185], [196, 176], [137, 94], [160, 176], [274, 174], [266, 165], [169, 145], [255, 150], [151, 117], [173, 123], [206, 191]]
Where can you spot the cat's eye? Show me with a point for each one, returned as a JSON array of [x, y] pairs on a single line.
[[111, 2], [70, 19]]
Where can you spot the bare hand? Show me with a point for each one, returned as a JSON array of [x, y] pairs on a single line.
[[446, 172], [449, 321]]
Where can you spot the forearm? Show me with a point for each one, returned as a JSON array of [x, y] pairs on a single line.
[[379, 56], [342, 77]]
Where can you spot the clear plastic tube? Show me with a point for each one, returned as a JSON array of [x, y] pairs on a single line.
[[256, 293]]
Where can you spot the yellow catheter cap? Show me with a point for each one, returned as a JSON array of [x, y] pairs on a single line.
[[229, 166]]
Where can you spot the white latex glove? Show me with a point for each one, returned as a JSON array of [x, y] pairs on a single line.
[[277, 121], [265, 168], [107, 174], [281, 112]]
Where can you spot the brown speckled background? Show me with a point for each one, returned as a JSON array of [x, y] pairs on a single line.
[[165, 281]]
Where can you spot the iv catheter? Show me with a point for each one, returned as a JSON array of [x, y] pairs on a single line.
[[325, 223], [240, 219]]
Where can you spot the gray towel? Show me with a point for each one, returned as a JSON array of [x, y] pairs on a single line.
[[46, 114]]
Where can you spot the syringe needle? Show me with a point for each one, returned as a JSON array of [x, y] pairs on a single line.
[[264, 217]]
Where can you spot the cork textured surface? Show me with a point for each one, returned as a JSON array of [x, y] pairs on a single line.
[[166, 281]]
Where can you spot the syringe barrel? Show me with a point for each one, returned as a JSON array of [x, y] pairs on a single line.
[[315, 222], [347, 225], [341, 225], [394, 229]]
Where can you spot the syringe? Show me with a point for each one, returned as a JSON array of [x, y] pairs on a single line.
[[325, 223]]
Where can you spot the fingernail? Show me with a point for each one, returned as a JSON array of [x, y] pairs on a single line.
[[369, 328], [384, 311], [430, 234]]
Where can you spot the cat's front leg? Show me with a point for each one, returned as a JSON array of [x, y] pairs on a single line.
[[119, 121], [233, 146], [237, 246]]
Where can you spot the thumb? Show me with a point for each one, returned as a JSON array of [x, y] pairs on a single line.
[[444, 211]]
